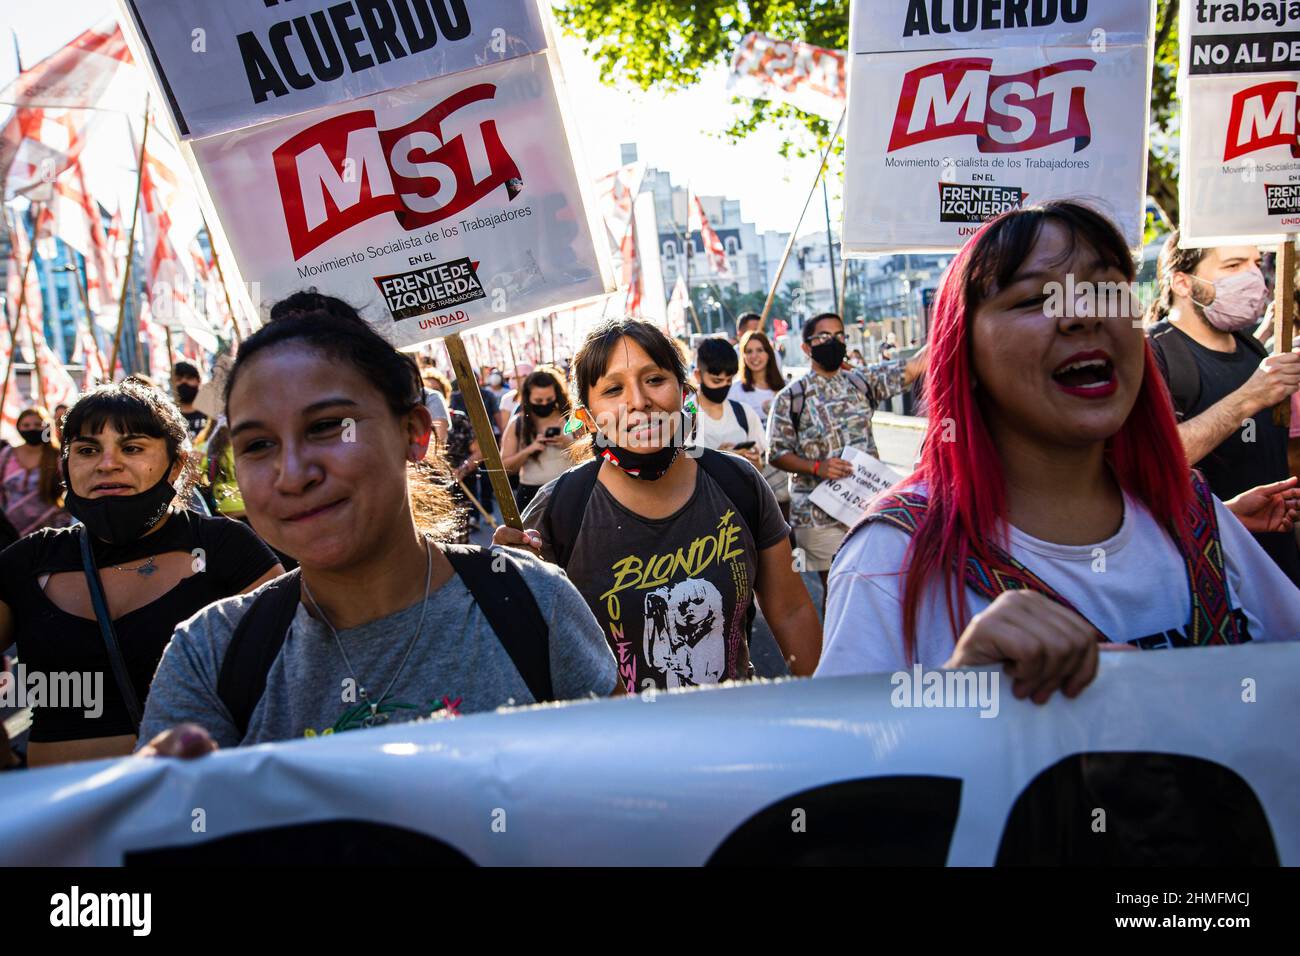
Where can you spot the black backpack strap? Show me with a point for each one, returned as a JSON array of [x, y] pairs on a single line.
[[1183, 377], [121, 675], [798, 389], [511, 611], [1252, 344], [254, 645], [565, 510], [738, 410], [730, 474]]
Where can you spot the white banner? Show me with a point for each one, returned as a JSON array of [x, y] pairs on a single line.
[[435, 208], [223, 66], [846, 499], [807, 77], [1239, 158], [959, 111], [1188, 751]]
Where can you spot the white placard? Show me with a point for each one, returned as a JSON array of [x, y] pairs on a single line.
[[593, 784], [1239, 158], [959, 111], [846, 499], [226, 65], [442, 206]]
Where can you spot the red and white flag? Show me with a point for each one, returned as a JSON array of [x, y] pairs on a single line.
[[714, 251], [78, 75], [632, 279], [20, 252], [678, 304], [53, 379], [809, 78], [616, 193]]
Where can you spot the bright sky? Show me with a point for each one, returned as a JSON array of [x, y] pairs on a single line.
[[672, 133]]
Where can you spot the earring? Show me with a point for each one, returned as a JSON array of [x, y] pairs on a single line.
[[576, 422]]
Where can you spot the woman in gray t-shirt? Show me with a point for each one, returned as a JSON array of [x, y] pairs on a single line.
[[326, 421]]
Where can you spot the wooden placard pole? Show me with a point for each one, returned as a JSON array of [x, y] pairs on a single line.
[[221, 277], [1284, 316], [794, 235], [467, 382], [18, 318]]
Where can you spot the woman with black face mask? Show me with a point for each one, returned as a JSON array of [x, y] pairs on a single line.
[[534, 444], [92, 607], [668, 544], [30, 495]]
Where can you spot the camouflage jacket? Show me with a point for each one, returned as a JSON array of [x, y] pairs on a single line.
[[835, 415]]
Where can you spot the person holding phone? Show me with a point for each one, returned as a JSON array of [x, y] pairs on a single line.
[[534, 445], [724, 423]]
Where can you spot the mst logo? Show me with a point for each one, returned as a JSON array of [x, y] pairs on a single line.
[[1005, 114], [1263, 115], [346, 170]]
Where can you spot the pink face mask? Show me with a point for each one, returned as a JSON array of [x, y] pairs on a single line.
[[1239, 301]]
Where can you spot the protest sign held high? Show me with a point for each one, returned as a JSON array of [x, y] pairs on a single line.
[[230, 65], [437, 193], [1239, 176], [959, 111]]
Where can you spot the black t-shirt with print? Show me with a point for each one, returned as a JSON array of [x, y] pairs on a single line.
[[671, 594]]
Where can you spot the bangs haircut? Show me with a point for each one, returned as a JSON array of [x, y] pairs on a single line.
[[1009, 240], [132, 409], [593, 356]]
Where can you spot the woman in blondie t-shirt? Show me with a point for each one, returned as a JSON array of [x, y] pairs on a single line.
[[660, 549], [1067, 474]]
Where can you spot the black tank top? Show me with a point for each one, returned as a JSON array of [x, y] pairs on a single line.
[[51, 641]]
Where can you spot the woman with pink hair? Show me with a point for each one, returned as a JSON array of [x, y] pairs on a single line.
[[1053, 511]]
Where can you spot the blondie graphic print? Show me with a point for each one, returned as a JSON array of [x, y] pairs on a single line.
[[672, 594]]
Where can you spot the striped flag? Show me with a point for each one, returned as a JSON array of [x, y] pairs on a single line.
[[714, 251]]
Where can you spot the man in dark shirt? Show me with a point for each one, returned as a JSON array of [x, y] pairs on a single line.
[[185, 383], [1223, 383]]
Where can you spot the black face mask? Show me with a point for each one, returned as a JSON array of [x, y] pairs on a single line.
[[716, 395], [830, 354], [121, 519], [543, 410], [186, 393], [645, 466], [33, 436]]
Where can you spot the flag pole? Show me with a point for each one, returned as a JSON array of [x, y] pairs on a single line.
[[18, 317], [1284, 315], [130, 246], [22, 304], [789, 246], [221, 277]]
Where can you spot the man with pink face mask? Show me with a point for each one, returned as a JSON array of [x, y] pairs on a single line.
[[1223, 382]]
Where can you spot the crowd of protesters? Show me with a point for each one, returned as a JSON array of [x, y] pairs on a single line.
[[281, 550]]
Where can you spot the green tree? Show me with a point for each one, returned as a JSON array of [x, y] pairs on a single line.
[[669, 44]]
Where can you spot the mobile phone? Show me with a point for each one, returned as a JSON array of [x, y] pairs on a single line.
[[552, 432], [743, 446]]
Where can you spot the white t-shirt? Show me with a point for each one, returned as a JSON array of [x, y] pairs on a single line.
[[436, 404], [508, 402], [1141, 595], [760, 399], [714, 433]]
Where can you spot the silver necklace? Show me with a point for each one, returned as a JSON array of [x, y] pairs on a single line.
[[144, 570], [375, 717]]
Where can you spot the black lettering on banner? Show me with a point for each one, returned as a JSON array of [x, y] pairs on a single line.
[[430, 289], [1245, 53], [388, 30], [926, 17], [968, 202], [1282, 199]]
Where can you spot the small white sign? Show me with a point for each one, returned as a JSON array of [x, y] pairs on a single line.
[[846, 499]]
